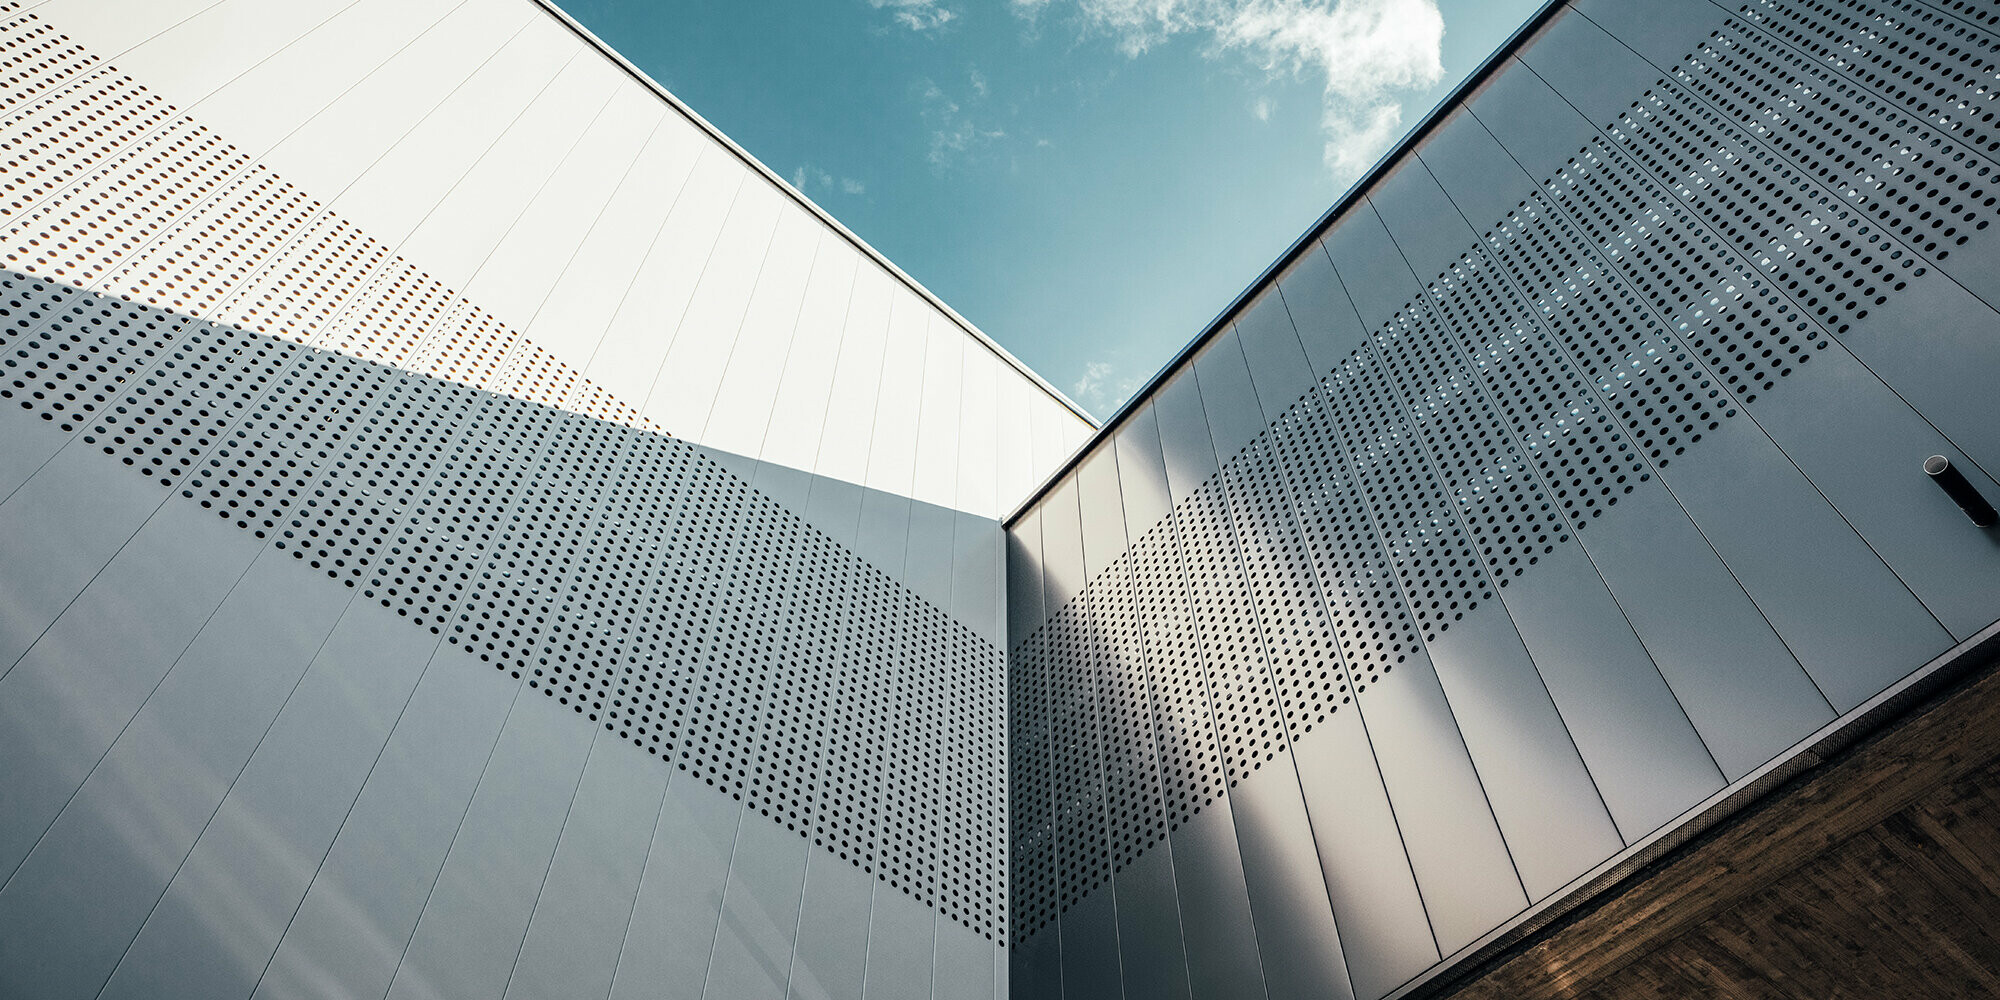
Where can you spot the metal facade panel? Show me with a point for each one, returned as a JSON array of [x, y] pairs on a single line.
[[1222, 938], [901, 941], [800, 408], [760, 914], [978, 564], [400, 189], [746, 389], [95, 875], [690, 372], [193, 56], [573, 939], [850, 410], [1152, 955], [1296, 938], [219, 923], [928, 552], [897, 396], [673, 926], [938, 423], [1024, 579], [964, 966], [1142, 473], [981, 424], [458, 233], [90, 673], [586, 312], [263, 104], [1100, 498], [514, 279], [1322, 314], [477, 914], [828, 961], [1227, 397], [351, 929], [1184, 437], [1062, 546], [1278, 366], [1090, 949]]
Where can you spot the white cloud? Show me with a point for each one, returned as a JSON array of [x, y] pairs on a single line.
[[917, 15], [954, 133], [1102, 389], [1261, 108], [849, 185], [1365, 51]]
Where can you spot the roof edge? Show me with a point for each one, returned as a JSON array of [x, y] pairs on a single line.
[[551, 8]]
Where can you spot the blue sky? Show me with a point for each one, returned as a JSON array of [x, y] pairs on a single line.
[[1089, 181]]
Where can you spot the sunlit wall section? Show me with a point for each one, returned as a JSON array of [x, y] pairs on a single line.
[[1569, 481]]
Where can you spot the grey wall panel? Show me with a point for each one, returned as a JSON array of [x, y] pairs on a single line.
[[355, 921], [1375, 277], [788, 486], [963, 966], [1222, 953], [1322, 314], [1227, 397], [1142, 472], [215, 930], [1001, 986], [69, 520], [573, 938], [927, 553], [1296, 938], [760, 913], [1035, 967], [901, 943], [1152, 955], [1024, 578], [978, 564], [1184, 437], [78, 900], [830, 958], [834, 509], [1090, 948], [1062, 546], [882, 534], [466, 942], [1101, 503], [82, 682], [1278, 366], [1385, 938], [673, 927]]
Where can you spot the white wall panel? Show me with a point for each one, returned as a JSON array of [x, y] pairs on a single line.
[[979, 433], [749, 385], [188, 61], [265, 103], [408, 182], [799, 411], [892, 448], [937, 424], [572, 322], [110, 27], [1017, 470], [684, 389], [627, 362], [517, 276], [327, 153], [458, 234], [850, 410]]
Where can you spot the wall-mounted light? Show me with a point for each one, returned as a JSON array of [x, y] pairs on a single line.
[[1960, 490]]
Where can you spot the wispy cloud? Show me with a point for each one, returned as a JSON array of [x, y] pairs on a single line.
[[1261, 108], [1103, 388], [917, 15], [808, 179], [955, 132], [1364, 51]]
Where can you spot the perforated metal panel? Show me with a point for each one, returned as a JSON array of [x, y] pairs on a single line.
[[1804, 168], [193, 315]]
